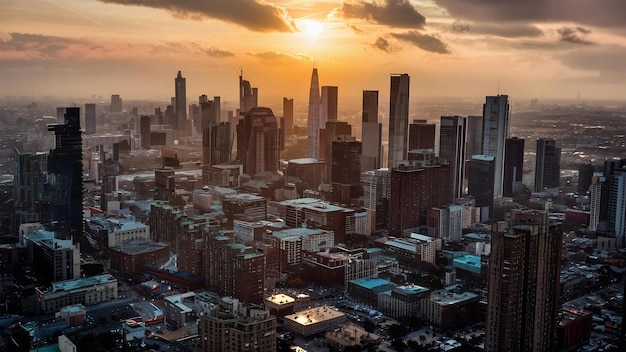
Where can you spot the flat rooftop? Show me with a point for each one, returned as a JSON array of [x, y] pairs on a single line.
[[280, 299], [447, 298], [304, 161], [69, 285], [371, 282], [134, 248], [467, 262], [314, 315]]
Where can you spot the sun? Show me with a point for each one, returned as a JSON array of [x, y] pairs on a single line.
[[310, 28]]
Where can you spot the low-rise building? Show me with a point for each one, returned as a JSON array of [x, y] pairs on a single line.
[[366, 290], [451, 308], [131, 258], [312, 321], [85, 291], [280, 304], [353, 337], [402, 301]]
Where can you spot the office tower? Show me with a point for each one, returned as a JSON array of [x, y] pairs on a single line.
[[144, 131], [220, 143], [421, 135], [65, 177], [616, 219], [376, 193], [116, 103], [524, 278], [547, 164], [54, 259], [495, 132], [346, 169], [398, 119], [257, 141], [332, 131], [90, 118], [414, 190], [288, 116], [452, 134], [595, 198], [474, 135], [513, 166], [180, 86], [195, 119], [248, 96], [313, 118], [585, 174], [310, 172], [28, 188], [371, 132], [232, 326], [208, 121], [480, 178], [328, 111]]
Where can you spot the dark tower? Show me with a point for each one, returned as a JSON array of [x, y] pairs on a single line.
[[513, 166], [180, 86]]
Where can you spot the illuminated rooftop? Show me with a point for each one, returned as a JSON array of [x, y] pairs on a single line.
[[314, 315], [280, 299]]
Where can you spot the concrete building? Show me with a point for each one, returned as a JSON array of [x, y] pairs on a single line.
[[547, 164], [280, 304], [452, 148], [349, 336], [371, 132], [402, 301], [177, 312], [447, 221], [311, 172], [398, 119], [52, 258], [422, 135], [366, 290], [496, 116], [451, 308], [85, 291], [131, 258], [315, 320], [415, 249]]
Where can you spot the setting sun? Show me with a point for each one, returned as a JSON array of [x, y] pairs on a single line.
[[310, 28]]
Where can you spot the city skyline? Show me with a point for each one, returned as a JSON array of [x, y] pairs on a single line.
[[456, 49]]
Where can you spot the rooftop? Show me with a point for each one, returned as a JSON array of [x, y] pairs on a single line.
[[371, 282], [243, 197], [69, 285], [280, 299], [304, 161], [447, 297], [467, 262], [134, 248], [314, 315]]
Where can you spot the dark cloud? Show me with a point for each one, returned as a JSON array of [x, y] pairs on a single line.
[[382, 44], [355, 29], [573, 35], [509, 30], [423, 41], [255, 15], [605, 63], [38, 45], [600, 13], [395, 13]]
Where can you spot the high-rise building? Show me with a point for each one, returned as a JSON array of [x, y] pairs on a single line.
[[314, 117], [208, 120], [496, 117], [414, 190], [346, 169], [513, 166], [595, 198], [371, 132], [144, 131], [232, 326], [180, 87], [248, 96], [90, 118], [585, 174], [329, 101], [116, 103], [376, 193], [29, 182], [288, 116], [333, 131], [258, 146], [480, 173], [524, 279], [421, 135], [616, 221], [398, 119], [547, 164], [452, 133], [65, 177], [474, 135]]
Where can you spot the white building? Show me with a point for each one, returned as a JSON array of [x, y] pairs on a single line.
[[86, 291]]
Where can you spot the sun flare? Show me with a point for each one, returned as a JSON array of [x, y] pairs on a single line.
[[310, 28]]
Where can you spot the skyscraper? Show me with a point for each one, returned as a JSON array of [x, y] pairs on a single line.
[[208, 121], [333, 131], [547, 164], [452, 135], [474, 135], [257, 141], [376, 193], [28, 188], [346, 169], [421, 135], [329, 104], [513, 166], [288, 116], [524, 279], [90, 118], [248, 96], [371, 132], [144, 131], [480, 172], [495, 133], [180, 87], [65, 177], [398, 119], [314, 117], [116, 103]]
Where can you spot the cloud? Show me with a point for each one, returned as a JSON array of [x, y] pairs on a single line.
[[509, 30], [394, 13], [605, 62], [382, 44], [256, 15], [280, 57], [423, 41], [573, 35], [36, 45], [600, 13]]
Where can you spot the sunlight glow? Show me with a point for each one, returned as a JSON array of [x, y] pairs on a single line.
[[310, 28]]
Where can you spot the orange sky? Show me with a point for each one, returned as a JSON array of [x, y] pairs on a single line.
[[538, 48]]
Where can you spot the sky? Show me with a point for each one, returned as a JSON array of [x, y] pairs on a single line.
[[451, 48]]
